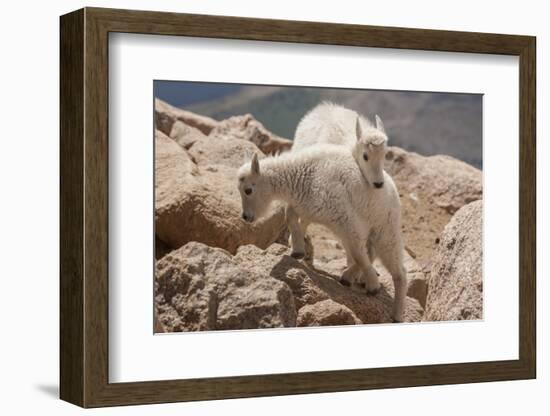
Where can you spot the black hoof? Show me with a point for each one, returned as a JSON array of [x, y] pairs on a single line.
[[373, 292], [395, 321], [345, 283], [298, 256]]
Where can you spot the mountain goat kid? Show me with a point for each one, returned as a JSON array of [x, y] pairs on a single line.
[[323, 184], [330, 123], [333, 124]]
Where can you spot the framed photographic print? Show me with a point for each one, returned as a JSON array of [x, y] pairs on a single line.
[[256, 207]]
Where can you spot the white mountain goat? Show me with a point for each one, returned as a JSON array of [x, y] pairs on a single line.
[[332, 123], [324, 184]]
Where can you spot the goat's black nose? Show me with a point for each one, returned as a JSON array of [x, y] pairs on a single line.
[[379, 184], [248, 218]]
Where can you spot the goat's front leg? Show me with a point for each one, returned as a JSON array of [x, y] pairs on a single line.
[[361, 270], [297, 235], [391, 254], [352, 273], [355, 273]]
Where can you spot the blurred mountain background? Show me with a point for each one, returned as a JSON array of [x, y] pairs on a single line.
[[424, 122]]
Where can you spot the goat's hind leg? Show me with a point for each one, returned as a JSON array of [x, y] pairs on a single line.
[[297, 236], [307, 241]]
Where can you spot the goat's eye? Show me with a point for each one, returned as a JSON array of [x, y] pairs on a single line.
[[365, 156], [248, 191]]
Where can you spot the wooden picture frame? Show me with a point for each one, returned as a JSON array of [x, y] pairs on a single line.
[[84, 207]]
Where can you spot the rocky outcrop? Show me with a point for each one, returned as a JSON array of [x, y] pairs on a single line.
[[167, 115], [158, 326], [456, 281], [161, 248], [326, 313], [247, 128], [184, 135], [204, 288], [226, 152], [417, 280], [432, 189], [201, 287], [196, 200], [186, 128], [447, 182]]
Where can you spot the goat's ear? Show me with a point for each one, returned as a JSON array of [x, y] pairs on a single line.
[[379, 124], [255, 165], [358, 129]]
